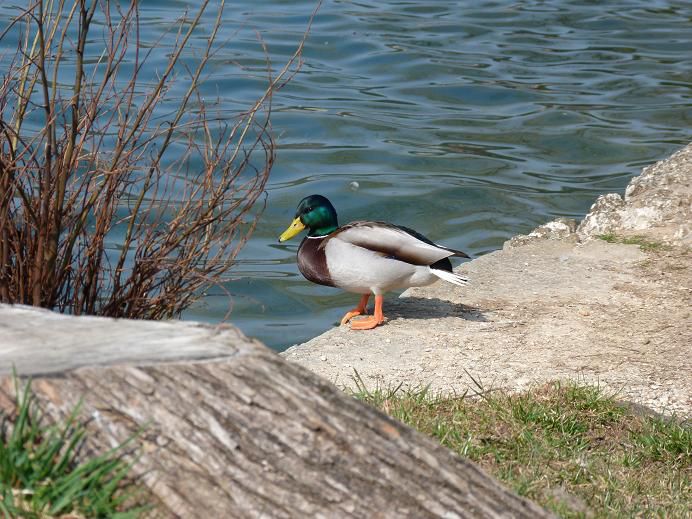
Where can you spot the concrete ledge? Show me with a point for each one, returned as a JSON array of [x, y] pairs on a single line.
[[556, 304]]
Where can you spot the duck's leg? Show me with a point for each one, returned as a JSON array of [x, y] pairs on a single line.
[[373, 320], [358, 310]]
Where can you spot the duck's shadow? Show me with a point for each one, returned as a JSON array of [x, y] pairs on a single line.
[[424, 308]]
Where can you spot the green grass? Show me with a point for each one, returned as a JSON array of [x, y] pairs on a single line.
[[41, 477], [643, 242], [569, 447]]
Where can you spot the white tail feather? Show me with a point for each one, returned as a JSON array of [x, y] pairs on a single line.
[[451, 277]]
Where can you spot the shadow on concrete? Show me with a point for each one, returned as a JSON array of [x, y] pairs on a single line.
[[424, 308]]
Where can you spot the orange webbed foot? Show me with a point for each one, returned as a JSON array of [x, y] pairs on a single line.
[[359, 310], [370, 322], [367, 323], [350, 315]]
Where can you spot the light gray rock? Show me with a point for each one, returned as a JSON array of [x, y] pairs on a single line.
[[560, 229], [658, 201]]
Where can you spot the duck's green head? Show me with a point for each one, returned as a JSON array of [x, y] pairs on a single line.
[[315, 213]]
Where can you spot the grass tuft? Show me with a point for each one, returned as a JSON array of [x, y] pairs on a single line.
[[571, 448], [644, 244], [41, 477]]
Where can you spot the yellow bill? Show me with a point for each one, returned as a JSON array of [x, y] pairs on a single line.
[[293, 229]]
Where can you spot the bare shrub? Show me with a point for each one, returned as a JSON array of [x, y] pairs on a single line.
[[106, 207]]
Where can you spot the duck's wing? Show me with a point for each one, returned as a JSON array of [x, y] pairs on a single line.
[[416, 234], [393, 241]]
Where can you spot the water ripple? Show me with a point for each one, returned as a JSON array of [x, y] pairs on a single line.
[[469, 121]]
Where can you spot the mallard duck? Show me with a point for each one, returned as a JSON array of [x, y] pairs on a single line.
[[366, 257]]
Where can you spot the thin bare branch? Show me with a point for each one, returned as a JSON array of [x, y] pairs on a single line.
[[113, 207]]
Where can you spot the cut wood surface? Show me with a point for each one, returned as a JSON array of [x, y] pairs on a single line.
[[36, 341], [232, 430]]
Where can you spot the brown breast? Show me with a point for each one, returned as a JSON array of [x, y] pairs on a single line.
[[312, 261]]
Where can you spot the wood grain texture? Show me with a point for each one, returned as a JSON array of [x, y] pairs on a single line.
[[36, 341], [250, 435]]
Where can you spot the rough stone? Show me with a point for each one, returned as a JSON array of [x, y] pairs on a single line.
[[560, 229], [657, 203]]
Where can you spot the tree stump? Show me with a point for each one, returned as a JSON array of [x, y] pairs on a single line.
[[232, 430]]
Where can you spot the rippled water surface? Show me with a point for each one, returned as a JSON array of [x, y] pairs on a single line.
[[469, 121]]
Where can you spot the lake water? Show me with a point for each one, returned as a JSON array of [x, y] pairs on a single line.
[[468, 121]]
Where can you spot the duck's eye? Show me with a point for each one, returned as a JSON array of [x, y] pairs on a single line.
[[308, 209]]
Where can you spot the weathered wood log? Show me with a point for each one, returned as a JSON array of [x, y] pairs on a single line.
[[232, 430]]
